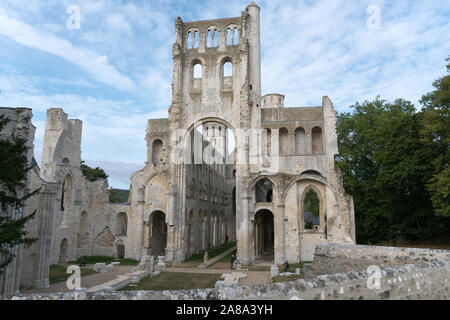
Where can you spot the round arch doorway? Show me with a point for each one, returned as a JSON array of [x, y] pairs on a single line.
[[158, 233], [264, 234]]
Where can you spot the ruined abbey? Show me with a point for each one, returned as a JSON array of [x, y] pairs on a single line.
[[228, 165]]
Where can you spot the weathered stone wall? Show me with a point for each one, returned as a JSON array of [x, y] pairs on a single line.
[[411, 282], [337, 258]]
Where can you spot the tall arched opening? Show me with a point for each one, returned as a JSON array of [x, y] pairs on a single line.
[[158, 233], [264, 234]]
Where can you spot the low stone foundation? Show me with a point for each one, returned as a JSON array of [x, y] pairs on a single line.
[[423, 280], [339, 258]]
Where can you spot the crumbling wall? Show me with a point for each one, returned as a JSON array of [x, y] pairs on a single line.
[[337, 258]]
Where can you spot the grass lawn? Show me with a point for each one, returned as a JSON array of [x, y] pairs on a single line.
[[58, 273], [176, 281], [212, 252], [223, 263], [196, 259], [287, 278], [106, 259]]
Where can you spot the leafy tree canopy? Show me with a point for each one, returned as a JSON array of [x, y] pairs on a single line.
[[14, 168], [92, 174]]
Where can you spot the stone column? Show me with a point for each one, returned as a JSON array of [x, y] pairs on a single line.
[[280, 235], [146, 249], [171, 230], [245, 254], [140, 223], [48, 195]]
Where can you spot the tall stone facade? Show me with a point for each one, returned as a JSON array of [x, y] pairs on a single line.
[[272, 185], [73, 215], [228, 164]]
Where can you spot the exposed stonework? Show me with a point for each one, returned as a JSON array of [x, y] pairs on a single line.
[[424, 281], [73, 215], [273, 156], [226, 165]]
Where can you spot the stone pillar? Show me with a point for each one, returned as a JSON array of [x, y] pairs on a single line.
[[146, 248], [280, 235], [140, 223], [245, 254], [48, 196], [204, 231], [171, 230]]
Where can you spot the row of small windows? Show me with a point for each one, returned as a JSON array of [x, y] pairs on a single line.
[[300, 141], [212, 39], [227, 70]]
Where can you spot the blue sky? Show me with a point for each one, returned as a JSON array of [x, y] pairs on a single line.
[[115, 72]]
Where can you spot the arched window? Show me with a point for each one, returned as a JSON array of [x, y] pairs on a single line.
[[228, 69], [66, 161], [157, 152], [198, 71], [235, 36], [311, 209], [300, 141], [189, 41], [121, 224], [216, 38], [229, 37], [264, 191], [66, 193], [316, 137], [284, 141]]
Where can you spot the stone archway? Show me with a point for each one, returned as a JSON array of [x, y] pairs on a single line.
[[158, 233], [120, 249], [264, 234]]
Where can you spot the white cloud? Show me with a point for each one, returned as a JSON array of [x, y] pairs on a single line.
[[94, 64]]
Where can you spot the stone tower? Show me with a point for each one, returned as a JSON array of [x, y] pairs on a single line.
[[283, 157]]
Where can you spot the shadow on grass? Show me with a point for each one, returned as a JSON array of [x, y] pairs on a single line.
[[176, 281], [212, 252], [107, 260], [59, 273]]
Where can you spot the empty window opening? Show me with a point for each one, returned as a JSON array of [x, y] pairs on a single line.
[[216, 38], [284, 141], [316, 137], [311, 210], [157, 152], [229, 37], [264, 191], [300, 141], [228, 69], [198, 71], [189, 40]]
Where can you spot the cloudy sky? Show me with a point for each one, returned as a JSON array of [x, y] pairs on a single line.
[[114, 72]]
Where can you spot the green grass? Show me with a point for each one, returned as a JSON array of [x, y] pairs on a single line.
[[58, 273], [287, 278], [176, 281], [212, 252], [106, 259]]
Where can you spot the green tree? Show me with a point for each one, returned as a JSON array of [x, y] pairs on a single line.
[[385, 166], [436, 132], [14, 168], [118, 195], [92, 174]]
